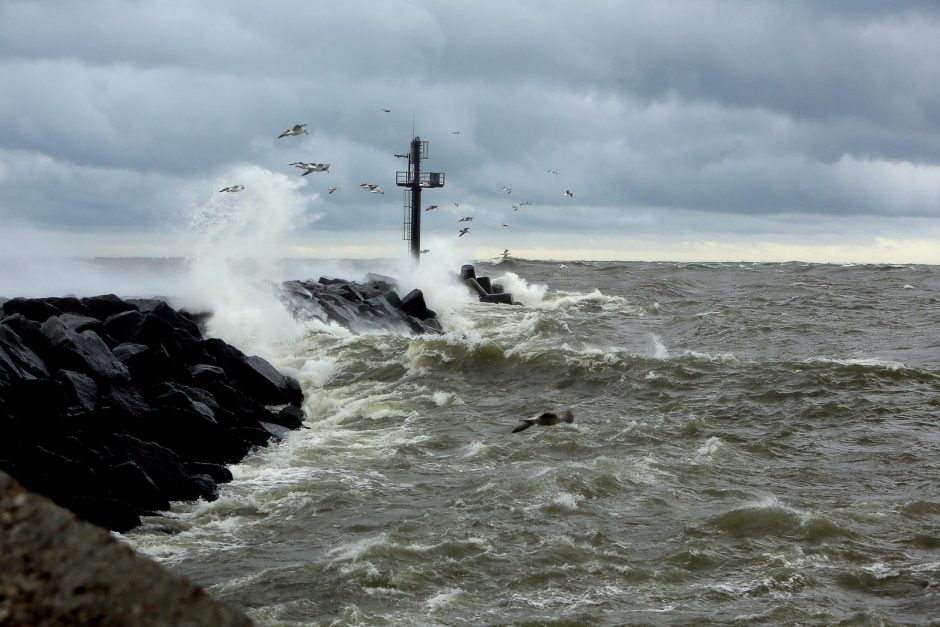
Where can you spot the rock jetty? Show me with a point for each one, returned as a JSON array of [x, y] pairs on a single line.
[[371, 305], [113, 408]]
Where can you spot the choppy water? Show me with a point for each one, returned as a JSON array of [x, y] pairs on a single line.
[[753, 444]]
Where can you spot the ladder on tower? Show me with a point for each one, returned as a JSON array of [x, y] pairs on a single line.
[[407, 221]]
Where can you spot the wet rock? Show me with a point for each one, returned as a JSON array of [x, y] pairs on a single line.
[[56, 570], [104, 427], [31, 308]]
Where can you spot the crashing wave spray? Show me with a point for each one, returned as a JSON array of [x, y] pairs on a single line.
[[233, 271]]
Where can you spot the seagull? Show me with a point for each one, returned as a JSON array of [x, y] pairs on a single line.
[[297, 130], [312, 167], [425, 251], [505, 253], [369, 186], [430, 207], [507, 189], [523, 204], [386, 110], [552, 171], [233, 188], [331, 189], [467, 219], [505, 226], [464, 231], [515, 207], [546, 418], [455, 132], [402, 156], [569, 194], [456, 204]]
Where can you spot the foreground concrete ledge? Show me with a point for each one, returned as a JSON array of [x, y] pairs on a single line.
[[58, 570]]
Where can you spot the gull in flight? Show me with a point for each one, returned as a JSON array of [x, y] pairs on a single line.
[[464, 231], [311, 167], [430, 207], [456, 204], [505, 253], [523, 204], [331, 189], [505, 226], [467, 219], [507, 189], [515, 207], [372, 187], [568, 193], [546, 418], [297, 130], [455, 132], [552, 171], [233, 188], [386, 110], [425, 251]]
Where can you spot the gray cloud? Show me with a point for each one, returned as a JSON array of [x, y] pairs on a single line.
[[122, 113]]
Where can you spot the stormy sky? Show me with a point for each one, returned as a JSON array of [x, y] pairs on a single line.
[[700, 129]]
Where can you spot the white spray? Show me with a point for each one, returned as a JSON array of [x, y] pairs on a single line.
[[233, 271]]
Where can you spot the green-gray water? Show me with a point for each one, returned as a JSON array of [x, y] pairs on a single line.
[[753, 444]]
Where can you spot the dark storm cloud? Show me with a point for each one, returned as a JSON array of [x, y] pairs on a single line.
[[120, 112]]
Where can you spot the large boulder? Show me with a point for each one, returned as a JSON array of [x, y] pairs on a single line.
[[56, 570]]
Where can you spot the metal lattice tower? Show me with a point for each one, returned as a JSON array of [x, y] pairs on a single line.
[[416, 180]]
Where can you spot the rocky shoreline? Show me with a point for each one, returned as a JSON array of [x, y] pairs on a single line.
[[113, 408]]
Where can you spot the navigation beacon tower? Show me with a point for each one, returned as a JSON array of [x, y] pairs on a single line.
[[416, 180]]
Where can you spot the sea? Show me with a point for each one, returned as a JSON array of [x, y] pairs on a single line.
[[753, 444]]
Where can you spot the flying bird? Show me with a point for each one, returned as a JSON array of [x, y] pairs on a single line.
[[552, 171], [568, 193], [515, 207], [331, 189], [312, 167], [455, 132], [546, 418], [430, 207], [386, 110], [232, 188], [456, 204], [425, 251], [505, 226], [464, 231], [507, 189], [466, 219], [298, 129]]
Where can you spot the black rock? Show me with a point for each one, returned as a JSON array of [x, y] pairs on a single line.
[[149, 365], [413, 305], [68, 304], [32, 308], [253, 375], [219, 474], [132, 485], [101, 307], [85, 352], [291, 417], [81, 391], [20, 354], [125, 325], [30, 332], [79, 323], [203, 374]]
